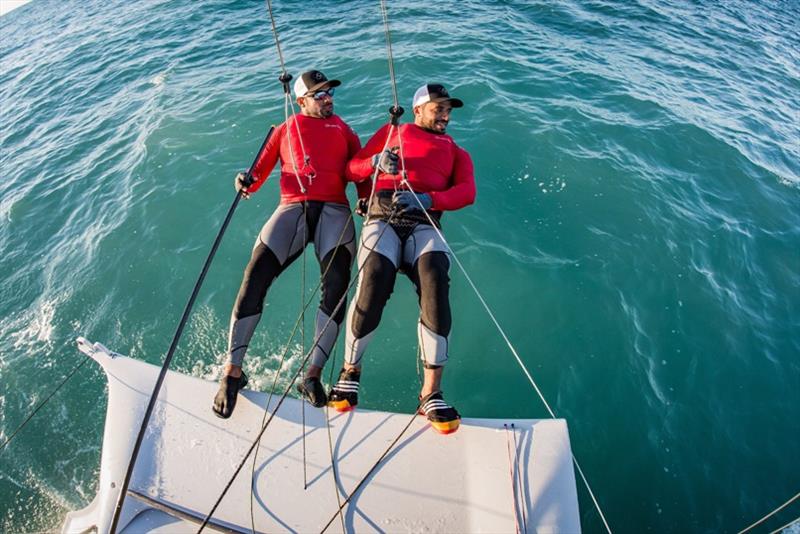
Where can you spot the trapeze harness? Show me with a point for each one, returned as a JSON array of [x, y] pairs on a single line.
[[313, 207], [434, 165]]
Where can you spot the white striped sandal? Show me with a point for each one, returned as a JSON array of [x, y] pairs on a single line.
[[443, 418], [344, 394]]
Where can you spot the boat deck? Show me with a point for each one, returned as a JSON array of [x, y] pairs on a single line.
[[475, 480]]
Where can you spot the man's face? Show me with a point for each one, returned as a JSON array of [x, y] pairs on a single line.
[[320, 107], [433, 116]]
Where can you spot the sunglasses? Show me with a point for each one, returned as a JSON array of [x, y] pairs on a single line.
[[319, 95]]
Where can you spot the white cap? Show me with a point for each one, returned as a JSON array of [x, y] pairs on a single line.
[[312, 80], [434, 92]]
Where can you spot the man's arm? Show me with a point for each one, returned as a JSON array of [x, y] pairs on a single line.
[[462, 191], [360, 167], [267, 159]]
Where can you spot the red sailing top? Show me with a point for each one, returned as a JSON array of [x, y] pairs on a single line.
[[434, 164], [329, 143]]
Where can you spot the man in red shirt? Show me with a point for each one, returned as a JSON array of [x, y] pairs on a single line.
[[398, 236], [313, 148]]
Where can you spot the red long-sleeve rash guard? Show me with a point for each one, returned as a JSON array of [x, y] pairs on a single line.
[[434, 163], [329, 143]]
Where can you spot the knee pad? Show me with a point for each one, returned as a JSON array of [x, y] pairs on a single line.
[[433, 347]]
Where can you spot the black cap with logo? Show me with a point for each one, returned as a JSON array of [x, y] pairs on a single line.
[[312, 81]]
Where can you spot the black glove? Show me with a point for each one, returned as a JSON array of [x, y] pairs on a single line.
[[407, 201], [386, 162], [362, 205], [242, 181]]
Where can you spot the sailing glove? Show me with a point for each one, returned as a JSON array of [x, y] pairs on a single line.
[[386, 162], [362, 206], [242, 181]]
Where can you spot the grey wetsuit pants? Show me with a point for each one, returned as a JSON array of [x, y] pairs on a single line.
[[422, 255], [282, 239]]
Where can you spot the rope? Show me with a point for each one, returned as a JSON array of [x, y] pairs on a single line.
[[385, 15], [283, 358], [170, 353], [333, 468], [519, 481], [396, 111], [361, 482], [286, 391], [41, 404], [275, 33], [511, 465], [285, 78], [303, 338], [787, 525], [511, 347], [286, 102], [775, 511]]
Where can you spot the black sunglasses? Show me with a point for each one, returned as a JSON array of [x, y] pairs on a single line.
[[319, 95]]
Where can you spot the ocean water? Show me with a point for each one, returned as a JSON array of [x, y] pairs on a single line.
[[636, 230]]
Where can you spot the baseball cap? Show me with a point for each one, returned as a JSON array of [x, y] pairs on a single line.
[[312, 81], [434, 92]]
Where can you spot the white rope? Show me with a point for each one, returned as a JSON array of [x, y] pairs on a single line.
[[306, 157], [286, 101], [510, 346], [775, 511], [796, 520]]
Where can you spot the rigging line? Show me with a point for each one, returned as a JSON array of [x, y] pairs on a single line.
[[171, 352], [275, 34], [385, 15], [306, 157], [364, 479], [288, 388], [511, 348], [375, 172], [286, 91], [789, 524], [334, 471], [393, 78], [519, 481], [286, 351], [286, 102], [41, 404], [333, 468], [513, 480], [775, 511], [303, 337]]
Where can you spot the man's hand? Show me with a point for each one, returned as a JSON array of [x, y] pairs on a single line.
[[408, 201], [242, 181], [362, 205], [386, 162]]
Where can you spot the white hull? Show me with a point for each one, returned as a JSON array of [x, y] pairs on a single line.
[[428, 483]]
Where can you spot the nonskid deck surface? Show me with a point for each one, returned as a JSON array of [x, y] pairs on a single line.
[[475, 480]]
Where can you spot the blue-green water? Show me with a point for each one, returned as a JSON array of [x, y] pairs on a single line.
[[637, 227]]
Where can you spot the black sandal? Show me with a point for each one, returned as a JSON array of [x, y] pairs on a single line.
[[312, 390], [225, 401]]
